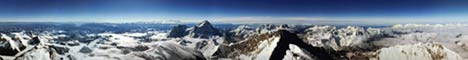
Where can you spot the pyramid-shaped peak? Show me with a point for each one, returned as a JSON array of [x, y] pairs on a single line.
[[204, 30], [204, 23]]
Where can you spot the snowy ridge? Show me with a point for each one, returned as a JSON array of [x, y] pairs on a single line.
[[128, 47], [331, 37], [427, 25], [178, 31], [12, 43], [418, 51], [242, 32], [203, 30]]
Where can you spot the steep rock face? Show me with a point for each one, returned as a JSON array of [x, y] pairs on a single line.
[[249, 48], [297, 53], [204, 30], [178, 31], [274, 46], [417, 52], [288, 38], [11, 45]]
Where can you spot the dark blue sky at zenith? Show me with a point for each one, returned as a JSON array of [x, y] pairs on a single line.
[[237, 11]]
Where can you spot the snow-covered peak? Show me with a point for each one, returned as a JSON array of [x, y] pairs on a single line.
[[243, 27], [242, 32], [13, 44], [268, 26], [330, 37], [315, 35], [203, 30], [204, 23], [321, 29]]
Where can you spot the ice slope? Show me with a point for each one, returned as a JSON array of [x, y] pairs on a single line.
[[359, 41], [452, 36], [116, 46], [418, 51]]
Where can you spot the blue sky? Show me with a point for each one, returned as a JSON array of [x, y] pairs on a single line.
[[237, 11]]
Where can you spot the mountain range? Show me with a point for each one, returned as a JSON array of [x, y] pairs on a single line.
[[206, 41]]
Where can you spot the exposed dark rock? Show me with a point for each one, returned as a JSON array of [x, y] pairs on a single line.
[[34, 41], [125, 51], [458, 36], [286, 38], [178, 31], [5, 48], [7, 51], [136, 48], [85, 50], [268, 26], [140, 48], [204, 30], [71, 57], [60, 50], [291, 38], [73, 44]]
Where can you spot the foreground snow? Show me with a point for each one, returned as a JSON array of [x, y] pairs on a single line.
[[417, 52]]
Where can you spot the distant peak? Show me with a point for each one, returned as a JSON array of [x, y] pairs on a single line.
[[204, 23]]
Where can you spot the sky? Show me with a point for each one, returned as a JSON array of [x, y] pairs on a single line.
[[372, 12]]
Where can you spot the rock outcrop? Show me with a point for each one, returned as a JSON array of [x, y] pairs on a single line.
[[274, 46], [178, 31]]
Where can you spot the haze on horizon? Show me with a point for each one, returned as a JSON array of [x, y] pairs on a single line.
[[372, 12]]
